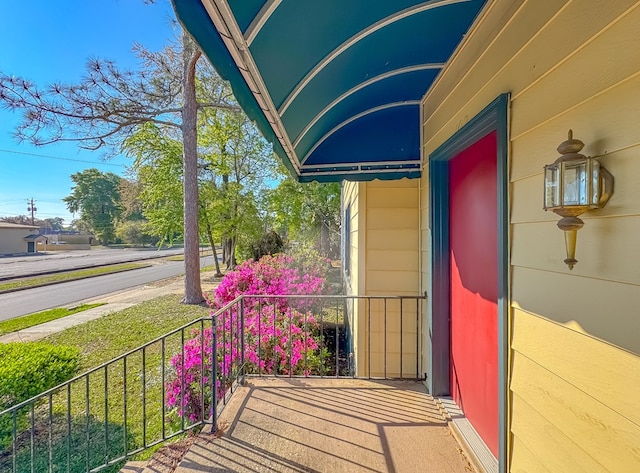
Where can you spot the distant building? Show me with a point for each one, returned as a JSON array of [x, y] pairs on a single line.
[[19, 239], [64, 240]]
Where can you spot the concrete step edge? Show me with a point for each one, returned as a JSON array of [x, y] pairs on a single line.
[[134, 467]]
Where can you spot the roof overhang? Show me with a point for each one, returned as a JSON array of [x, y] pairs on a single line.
[[35, 237], [335, 86]]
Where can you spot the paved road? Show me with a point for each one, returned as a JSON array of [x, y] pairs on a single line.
[[28, 301], [18, 266]]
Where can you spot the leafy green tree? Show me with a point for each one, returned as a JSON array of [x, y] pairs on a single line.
[[54, 223], [158, 169], [96, 197], [130, 189], [134, 232], [309, 211], [240, 165], [109, 105]]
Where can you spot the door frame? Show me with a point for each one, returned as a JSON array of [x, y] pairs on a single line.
[[494, 117]]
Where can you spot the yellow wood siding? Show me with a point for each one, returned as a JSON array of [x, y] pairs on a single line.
[[560, 392], [385, 256], [392, 237], [575, 369], [350, 199]]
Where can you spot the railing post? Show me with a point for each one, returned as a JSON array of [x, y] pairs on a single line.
[[242, 362], [214, 376]]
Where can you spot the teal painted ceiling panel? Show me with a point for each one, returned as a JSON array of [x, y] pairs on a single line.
[[397, 89], [245, 11], [333, 82], [384, 136]]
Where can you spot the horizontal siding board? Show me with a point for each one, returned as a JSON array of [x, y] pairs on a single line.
[[605, 246], [525, 461], [602, 63], [542, 435], [390, 218], [392, 198], [606, 123], [391, 282], [392, 239], [604, 309], [476, 44], [612, 375], [350, 190], [527, 201], [403, 183], [385, 292], [398, 260], [543, 53], [596, 430], [512, 39]]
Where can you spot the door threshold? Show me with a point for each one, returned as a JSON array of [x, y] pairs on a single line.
[[474, 447]]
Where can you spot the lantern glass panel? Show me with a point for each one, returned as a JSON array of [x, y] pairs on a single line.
[[551, 186], [575, 187], [595, 183]]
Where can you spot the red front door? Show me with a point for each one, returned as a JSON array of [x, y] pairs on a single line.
[[474, 286]]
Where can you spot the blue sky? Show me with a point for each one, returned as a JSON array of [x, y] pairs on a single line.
[[49, 41]]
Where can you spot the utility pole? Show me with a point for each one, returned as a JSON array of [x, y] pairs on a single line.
[[32, 208]]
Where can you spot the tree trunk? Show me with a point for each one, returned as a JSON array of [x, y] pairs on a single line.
[[213, 248], [228, 248], [232, 253], [192, 286], [324, 238], [223, 244]]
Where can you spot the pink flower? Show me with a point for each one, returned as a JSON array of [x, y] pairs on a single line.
[[281, 335]]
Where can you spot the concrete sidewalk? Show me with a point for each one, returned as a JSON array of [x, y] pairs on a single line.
[[114, 302]]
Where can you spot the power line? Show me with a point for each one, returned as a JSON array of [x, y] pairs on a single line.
[[61, 159]]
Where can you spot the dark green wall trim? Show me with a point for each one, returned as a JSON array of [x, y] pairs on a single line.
[[493, 118], [440, 276]]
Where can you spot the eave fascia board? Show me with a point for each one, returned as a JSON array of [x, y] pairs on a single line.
[[222, 17]]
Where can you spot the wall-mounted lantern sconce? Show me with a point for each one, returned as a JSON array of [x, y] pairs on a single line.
[[573, 184]]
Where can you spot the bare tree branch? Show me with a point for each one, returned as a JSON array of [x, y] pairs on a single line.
[[107, 104]]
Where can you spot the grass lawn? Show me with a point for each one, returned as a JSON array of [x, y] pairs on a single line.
[[102, 339], [96, 403], [36, 281], [181, 257], [26, 321]]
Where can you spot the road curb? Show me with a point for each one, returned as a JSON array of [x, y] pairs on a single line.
[[8, 291]]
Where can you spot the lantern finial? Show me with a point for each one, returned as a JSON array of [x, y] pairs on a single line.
[[570, 146]]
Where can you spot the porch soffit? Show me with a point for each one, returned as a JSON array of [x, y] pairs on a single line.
[[334, 85]]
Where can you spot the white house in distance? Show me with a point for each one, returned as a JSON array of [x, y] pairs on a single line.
[[18, 239]]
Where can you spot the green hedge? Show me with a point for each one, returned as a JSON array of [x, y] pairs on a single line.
[[27, 369]]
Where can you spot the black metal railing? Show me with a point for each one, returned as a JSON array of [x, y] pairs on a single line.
[[170, 385]]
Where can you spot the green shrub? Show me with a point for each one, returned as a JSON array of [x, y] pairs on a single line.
[[268, 244], [27, 369]]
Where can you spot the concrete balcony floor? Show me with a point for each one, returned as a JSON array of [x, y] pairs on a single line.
[[328, 425]]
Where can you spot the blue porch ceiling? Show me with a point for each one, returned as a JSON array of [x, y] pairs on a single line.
[[335, 85]]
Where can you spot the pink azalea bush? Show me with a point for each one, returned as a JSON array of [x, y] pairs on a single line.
[[281, 336]]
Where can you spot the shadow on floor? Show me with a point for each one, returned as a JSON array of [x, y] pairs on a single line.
[[322, 425]]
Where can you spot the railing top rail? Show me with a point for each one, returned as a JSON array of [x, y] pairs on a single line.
[[314, 296]]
